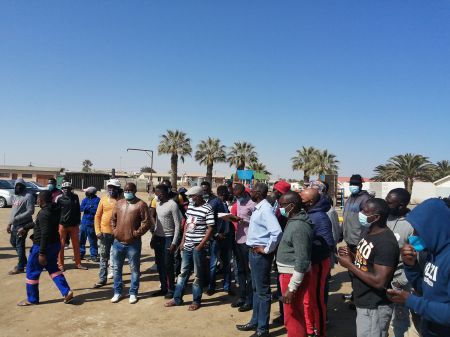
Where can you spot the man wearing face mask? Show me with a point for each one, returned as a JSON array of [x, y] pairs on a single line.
[[398, 200], [103, 230], [317, 207], [69, 224], [431, 223], [21, 215], [52, 187], [372, 267], [130, 221], [89, 207], [293, 261]]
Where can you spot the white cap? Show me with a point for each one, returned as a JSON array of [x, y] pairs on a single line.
[[66, 184], [91, 189], [195, 190], [113, 182]]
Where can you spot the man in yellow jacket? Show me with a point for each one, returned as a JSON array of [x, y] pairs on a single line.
[[103, 228]]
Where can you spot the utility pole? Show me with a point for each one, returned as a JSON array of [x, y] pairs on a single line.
[[150, 154]]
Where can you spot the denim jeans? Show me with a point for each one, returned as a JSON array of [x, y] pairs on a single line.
[[165, 262], [222, 249], [19, 244], [87, 232], [261, 265], [244, 274], [105, 244], [191, 259], [131, 251]]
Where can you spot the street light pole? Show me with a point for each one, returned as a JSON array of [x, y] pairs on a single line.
[[150, 154]]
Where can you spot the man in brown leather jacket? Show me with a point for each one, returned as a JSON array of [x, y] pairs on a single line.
[[130, 220]]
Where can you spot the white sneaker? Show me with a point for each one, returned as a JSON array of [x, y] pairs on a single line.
[[116, 298], [133, 299], [110, 276]]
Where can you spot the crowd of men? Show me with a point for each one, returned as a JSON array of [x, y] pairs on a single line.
[[398, 259]]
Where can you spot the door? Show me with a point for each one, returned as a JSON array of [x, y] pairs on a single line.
[[43, 179], [14, 176]]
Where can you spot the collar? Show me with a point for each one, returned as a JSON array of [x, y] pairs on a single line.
[[260, 204]]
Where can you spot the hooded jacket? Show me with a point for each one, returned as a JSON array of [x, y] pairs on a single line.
[[70, 209], [352, 227], [46, 227], [323, 241], [431, 220], [22, 210]]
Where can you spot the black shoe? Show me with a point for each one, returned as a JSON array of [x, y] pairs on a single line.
[[210, 292], [246, 327], [261, 334], [94, 259], [279, 321], [99, 285], [230, 292], [245, 307], [159, 293], [169, 295], [237, 304]]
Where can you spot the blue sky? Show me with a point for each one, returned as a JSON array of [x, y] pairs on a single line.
[[87, 79]]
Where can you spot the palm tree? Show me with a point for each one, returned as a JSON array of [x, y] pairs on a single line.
[[407, 168], [208, 152], [442, 169], [325, 163], [87, 164], [242, 154], [177, 145], [305, 161], [257, 166]]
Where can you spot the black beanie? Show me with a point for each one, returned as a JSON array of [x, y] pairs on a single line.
[[356, 179]]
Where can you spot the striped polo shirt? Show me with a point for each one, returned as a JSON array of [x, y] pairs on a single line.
[[197, 221]]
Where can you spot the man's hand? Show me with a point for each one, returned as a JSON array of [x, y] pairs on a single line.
[[220, 237], [99, 236], [199, 247], [21, 232], [398, 296], [42, 260], [288, 297], [172, 248], [409, 255], [8, 229], [181, 246], [344, 260], [259, 250]]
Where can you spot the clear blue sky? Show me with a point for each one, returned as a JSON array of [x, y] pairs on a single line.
[[87, 79]]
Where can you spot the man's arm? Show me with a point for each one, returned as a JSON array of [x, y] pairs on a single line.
[[83, 205], [210, 222], [153, 215], [378, 279], [77, 209], [145, 220], [274, 229], [302, 241], [44, 226], [98, 218], [176, 214], [114, 217], [28, 212]]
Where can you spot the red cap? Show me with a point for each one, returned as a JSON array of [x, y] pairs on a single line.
[[282, 186]]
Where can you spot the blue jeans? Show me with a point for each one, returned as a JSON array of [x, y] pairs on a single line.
[[191, 259], [131, 251], [34, 270], [19, 244], [87, 232], [104, 251], [261, 265], [220, 248], [165, 262]]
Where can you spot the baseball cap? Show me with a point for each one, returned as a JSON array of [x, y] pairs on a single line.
[[113, 182], [195, 190], [91, 189], [66, 184]]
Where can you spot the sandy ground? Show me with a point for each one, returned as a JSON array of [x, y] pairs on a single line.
[[92, 313]]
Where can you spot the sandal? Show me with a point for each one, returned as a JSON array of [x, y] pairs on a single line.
[[194, 306], [69, 297], [25, 303], [172, 303], [99, 285]]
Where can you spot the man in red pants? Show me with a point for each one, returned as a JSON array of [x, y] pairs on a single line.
[[317, 207], [293, 261]]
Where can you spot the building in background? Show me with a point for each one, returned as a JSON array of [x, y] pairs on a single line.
[[30, 173]]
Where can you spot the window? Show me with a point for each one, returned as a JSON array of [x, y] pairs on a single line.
[[4, 175], [27, 175]]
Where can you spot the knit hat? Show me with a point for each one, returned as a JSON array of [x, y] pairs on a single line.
[[356, 180]]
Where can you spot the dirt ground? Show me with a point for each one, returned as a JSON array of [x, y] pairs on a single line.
[[92, 313]]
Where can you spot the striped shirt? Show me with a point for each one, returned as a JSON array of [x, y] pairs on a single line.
[[197, 221]]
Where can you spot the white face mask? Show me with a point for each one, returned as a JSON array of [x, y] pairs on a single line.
[[191, 201]]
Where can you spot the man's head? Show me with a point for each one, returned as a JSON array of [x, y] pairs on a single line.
[[222, 192], [281, 187], [66, 187], [319, 186], [167, 183], [375, 212], [206, 186], [44, 199], [309, 197], [113, 186], [51, 184], [398, 200], [195, 195], [239, 190], [259, 192], [290, 204], [162, 192], [19, 186], [90, 191], [356, 183], [129, 191]]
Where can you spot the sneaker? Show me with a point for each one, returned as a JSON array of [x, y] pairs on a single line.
[[116, 298], [69, 297], [110, 276], [133, 299]]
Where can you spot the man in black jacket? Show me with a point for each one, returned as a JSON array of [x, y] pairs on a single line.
[[69, 224], [44, 252]]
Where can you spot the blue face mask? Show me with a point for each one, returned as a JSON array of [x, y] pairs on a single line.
[[284, 213], [50, 187], [128, 195], [363, 220], [417, 243], [354, 189]]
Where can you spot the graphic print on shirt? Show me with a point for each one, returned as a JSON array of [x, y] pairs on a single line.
[[191, 222], [430, 274], [363, 252]]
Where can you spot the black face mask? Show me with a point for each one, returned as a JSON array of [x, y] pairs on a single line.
[[19, 189], [394, 211]]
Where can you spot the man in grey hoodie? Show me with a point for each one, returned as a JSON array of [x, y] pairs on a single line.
[[21, 215]]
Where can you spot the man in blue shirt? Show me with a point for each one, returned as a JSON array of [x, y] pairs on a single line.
[[264, 234], [89, 207]]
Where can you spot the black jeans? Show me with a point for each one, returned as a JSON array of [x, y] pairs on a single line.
[[19, 244], [244, 274], [165, 262]]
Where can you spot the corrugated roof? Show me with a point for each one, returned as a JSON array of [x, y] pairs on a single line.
[[30, 168]]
